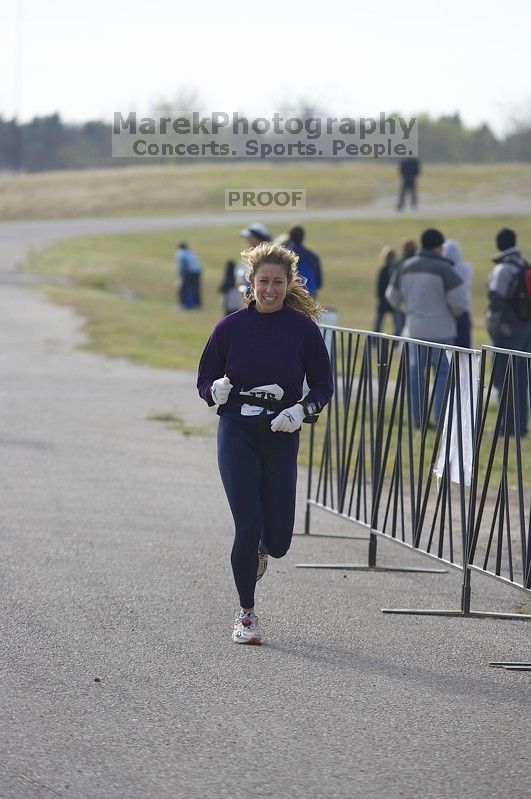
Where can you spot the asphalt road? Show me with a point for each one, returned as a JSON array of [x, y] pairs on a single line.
[[118, 674]]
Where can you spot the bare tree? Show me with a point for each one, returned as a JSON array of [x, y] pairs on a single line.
[[186, 101]]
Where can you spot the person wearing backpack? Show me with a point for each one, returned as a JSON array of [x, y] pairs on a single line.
[[508, 319]]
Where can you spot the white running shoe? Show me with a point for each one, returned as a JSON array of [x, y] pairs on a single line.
[[246, 629], [262, 565]]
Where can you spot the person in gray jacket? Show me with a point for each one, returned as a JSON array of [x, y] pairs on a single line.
[[432, 296], [508, 327]]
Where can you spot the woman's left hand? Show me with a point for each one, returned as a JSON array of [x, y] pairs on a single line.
[[288, 420]]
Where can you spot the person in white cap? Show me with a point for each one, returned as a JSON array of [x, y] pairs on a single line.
[[256, 234]]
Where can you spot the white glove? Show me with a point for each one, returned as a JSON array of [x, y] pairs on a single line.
[[220, 390], [289, 420]]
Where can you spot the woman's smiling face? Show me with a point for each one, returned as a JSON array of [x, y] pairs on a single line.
[[270, 284]]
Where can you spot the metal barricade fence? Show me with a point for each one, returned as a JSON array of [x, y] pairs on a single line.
[[408, 449]]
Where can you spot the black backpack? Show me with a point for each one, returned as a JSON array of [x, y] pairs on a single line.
[[521, 293]]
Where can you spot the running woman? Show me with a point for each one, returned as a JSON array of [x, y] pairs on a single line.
[[253, 368]]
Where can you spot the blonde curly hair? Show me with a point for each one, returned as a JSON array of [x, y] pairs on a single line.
[[297, 296]]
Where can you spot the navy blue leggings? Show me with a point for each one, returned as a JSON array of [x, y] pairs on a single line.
[[261, 499]]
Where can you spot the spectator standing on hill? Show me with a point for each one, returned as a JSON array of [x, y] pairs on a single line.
[[389, 261], [432, 296], [188, 277], [309, 266], [253, 368], [232, 299], [409, 171], [453, 252], [509, 319], [409, 249], [256, 234]]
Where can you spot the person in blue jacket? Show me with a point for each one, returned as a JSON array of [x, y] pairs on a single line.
[[188, 270], [309, 265], [253, 368]]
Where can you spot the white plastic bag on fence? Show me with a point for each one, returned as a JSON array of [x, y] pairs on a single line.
[[466, 410]]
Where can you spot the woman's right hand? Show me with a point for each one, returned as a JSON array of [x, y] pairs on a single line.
[[220, 390]]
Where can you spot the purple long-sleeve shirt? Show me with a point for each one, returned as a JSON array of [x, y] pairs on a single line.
[[255, 349]]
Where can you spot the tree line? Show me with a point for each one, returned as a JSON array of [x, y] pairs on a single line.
[[48, 143]]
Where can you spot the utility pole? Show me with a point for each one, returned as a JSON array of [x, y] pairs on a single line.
[[17, 158]]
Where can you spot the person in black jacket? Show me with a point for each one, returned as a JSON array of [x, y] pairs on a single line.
[[509, 329], [409, 172], [389, 261], [232, 298]]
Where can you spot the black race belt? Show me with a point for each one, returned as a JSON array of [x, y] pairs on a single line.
[[270, 404], [264, 425]]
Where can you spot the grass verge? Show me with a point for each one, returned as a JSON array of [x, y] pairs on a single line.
[[172, 421], [199, 188], [123, 286]]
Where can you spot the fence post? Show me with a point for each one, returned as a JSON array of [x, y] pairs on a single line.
[[382, 351], [309, 486], [466, 591]]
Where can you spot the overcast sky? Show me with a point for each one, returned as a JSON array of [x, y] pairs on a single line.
[[86, 60]]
